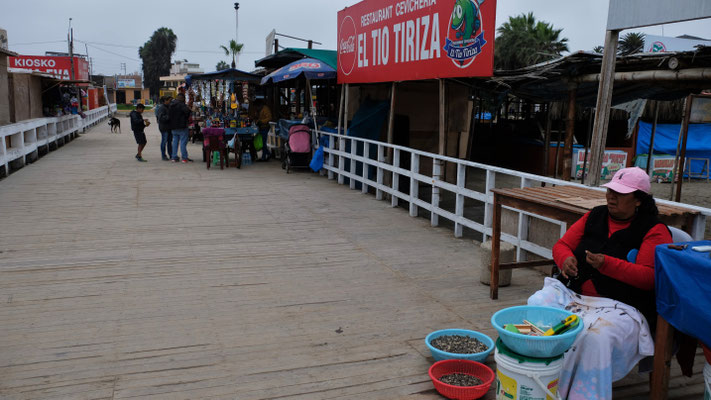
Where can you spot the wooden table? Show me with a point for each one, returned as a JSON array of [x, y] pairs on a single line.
[[568, 204]]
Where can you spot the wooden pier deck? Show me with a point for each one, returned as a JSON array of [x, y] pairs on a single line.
[[127, 280]]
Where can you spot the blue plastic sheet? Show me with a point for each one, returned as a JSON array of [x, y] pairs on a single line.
[[317, 160], [683, 288], [666, 137]]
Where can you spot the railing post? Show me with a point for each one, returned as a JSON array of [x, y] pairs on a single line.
[[366, 167], [331, 146], [341, 149], [396, 178], [523, 223], [436, 177], [414, 183], [379, 173], [353, 164], [488, 209], [459, 205]]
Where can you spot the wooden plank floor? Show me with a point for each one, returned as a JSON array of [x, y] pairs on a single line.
[[127, 280]]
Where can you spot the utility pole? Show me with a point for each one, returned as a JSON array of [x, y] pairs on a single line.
[[123, 68], [71, 48], [237, 31]]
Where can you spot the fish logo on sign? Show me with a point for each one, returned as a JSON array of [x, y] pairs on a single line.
[[465, 37]]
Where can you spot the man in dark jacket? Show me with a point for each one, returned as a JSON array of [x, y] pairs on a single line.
[[163, 118], [138, 125], [179, 116]]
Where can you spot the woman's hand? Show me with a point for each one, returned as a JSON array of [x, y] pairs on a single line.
[[569, 267], [594, 259]]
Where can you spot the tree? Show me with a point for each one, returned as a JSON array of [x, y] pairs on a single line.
[[234, 49], [156, 54], [599, 49], [523, 41], [221, 65], [631, 43]]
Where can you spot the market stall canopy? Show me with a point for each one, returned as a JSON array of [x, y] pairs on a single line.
[[655, 76], [226, 74], [291, 54], [308, 68]]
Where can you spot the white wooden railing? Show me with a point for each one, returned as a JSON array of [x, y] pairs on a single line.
[[341, 164], [24, 139]]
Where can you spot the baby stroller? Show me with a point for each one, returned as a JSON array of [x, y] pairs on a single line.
[[297, 149]]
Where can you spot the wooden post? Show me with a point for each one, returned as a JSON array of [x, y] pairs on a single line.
[[602, 107], [685, 132], [569, 132], [438, 171], [587, 148], [662, 359], [558, 154], [442, 118], [675, 168], [651, 138], [391, 131], [547, 140], [345, 113], [495, 246], [391, 117], [340, 109]]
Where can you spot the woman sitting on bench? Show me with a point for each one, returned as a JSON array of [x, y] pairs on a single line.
[[614, 297]]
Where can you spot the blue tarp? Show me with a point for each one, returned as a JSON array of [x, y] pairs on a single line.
[[698, 144], [683, 289], [367, 123]]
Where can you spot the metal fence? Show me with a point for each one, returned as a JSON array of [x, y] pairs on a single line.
[[380, 167], [21, 142]]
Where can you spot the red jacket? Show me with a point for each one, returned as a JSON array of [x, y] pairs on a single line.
[[639, 274]]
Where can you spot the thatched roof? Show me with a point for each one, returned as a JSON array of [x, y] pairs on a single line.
[[653, 78]]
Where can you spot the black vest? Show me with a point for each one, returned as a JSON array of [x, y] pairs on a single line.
[[620, 243]]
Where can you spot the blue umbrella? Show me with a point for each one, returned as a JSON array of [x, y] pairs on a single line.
[[310, 68]]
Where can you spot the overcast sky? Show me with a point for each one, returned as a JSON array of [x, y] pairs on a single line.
[[113, 31]]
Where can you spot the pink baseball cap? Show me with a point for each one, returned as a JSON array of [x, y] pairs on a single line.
[[627, 180]]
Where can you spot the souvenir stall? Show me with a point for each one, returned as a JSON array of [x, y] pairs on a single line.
[[307, 73], [220, 104]]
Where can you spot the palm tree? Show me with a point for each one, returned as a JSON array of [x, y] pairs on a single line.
[[234, 49], [523, 41], [599, 49], [156, 54], [631, 43], [221, 65]]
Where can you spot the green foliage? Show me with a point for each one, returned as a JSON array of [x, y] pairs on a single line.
[[632, 42], [599, 49], [523, 41], [221, 65], [233, 48], [156, 54]]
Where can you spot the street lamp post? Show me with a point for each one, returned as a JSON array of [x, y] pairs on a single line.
[[237, 30]]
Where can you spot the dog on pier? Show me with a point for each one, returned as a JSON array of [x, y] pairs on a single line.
[[115, 124]]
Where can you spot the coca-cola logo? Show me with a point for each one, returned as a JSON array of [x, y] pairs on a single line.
[[347, 45]]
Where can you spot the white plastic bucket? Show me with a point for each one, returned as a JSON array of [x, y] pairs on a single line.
[[707, 382], [517, 380]]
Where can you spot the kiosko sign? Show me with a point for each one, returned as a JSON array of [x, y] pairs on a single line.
[[396, 40], [59, 67]]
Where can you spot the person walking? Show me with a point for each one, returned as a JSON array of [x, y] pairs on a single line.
[[179, 115], [166, 137], [264, 116], [138, 125]]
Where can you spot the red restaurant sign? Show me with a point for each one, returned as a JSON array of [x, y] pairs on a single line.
[[397, 40], [59, 67]]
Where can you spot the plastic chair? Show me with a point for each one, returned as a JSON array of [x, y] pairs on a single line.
[[211, 144], [677, 236]]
